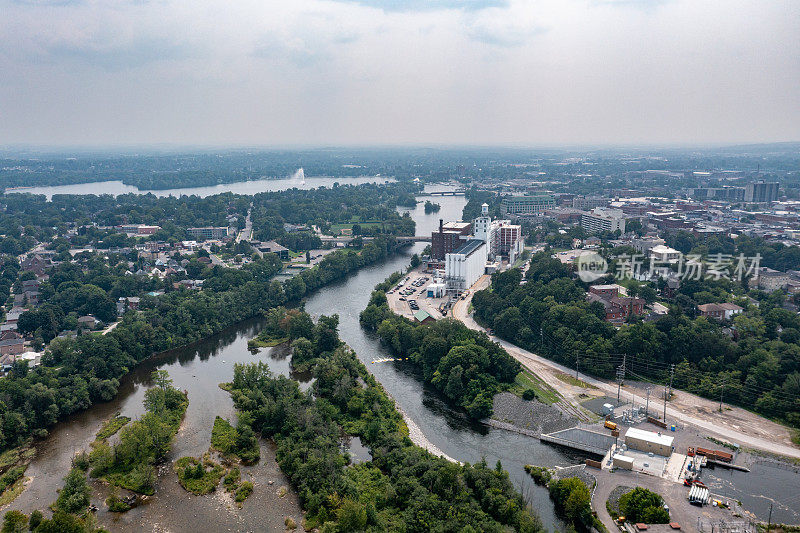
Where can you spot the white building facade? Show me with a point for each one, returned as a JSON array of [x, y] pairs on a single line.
[[602, 219], [464, 266]]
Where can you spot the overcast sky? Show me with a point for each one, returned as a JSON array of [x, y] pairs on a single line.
[[263, 72]]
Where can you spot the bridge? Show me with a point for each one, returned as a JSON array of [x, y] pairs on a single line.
[[458, 192], [409, 240]]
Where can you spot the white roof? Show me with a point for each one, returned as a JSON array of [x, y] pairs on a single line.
[[661, 249], [649, 436]]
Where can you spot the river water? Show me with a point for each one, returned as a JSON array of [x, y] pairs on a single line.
[[242, 187]]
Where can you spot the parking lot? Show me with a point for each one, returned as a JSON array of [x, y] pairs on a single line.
[[409, 295]]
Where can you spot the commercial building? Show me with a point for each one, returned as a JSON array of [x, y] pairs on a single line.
[[508, 237], [647, 441], [210, 232], [770, 280], [533, 205], [761, 192], [272, 247], [586, 203], [645, 244], [602, 219], [448, 238], [664, 254], [502, 238], [725, 194], [463, 267], [138, 229]]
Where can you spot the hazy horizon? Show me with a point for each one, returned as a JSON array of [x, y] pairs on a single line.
[[542, 74]]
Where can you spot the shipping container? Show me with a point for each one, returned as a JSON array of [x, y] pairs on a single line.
[[716, 455]]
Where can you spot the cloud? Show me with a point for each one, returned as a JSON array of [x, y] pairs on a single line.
[[377, 72], [429, 5], [116, 55]]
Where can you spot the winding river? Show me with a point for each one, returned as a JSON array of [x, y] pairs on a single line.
[[199, 369]]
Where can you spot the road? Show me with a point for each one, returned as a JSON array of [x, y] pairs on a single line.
[[737, 425], [247, 233]]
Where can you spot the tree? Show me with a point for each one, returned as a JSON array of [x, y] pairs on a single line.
[[14, 522], [74, 497], [642, 505]]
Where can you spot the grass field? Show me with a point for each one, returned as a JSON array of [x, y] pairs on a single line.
[[571, 380], [527, 380]]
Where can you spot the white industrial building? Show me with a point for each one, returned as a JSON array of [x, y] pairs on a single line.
[[647, 441], [464, 266]]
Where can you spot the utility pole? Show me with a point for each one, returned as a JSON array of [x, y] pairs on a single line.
[[668, 394], [577, 359], [647, 405], [769, 520], [621, 375], [721, 391]]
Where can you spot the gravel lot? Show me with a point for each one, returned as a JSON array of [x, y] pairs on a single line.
[[530, 415]]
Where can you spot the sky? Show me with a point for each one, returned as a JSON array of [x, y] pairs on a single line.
[[393, 72]]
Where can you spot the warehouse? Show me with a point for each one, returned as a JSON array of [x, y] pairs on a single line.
[[464, 266], [647, 441]]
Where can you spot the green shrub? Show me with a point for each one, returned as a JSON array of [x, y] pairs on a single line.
[[11, 477], [14, 522], [642, 505], [116, 504], [231, 480], [198, 476], [35, 520], [529, 394], [540, 474], [74, 497], [244, 490]]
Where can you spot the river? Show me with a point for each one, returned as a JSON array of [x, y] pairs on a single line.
[[201, 367], [241, 187]]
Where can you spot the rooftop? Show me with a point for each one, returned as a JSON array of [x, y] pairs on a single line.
[[470, 246], [649, 436]]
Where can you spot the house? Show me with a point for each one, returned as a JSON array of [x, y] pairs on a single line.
[[87, 321], [11, 343], [36, 264], [671, 287], [13, 316], [423, 317], [723, 311], [605, 291], [617, 308]]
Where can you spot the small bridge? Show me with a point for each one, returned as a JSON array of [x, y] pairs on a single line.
[[458, 192], [406, 240]]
